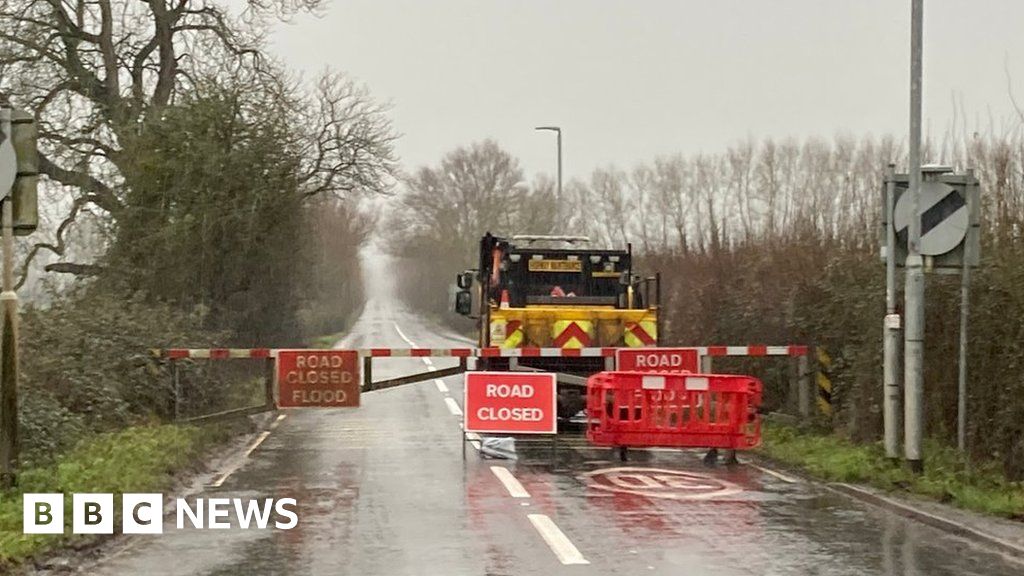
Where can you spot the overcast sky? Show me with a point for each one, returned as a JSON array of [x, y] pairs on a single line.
[[628, 80]]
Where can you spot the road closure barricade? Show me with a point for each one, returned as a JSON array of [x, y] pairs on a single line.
[[637, 409]]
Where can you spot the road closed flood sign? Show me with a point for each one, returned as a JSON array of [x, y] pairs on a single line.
[[510, 403], [317, 378]]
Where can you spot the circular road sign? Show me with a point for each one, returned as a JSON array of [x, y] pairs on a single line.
[[944, 218], [660, 483]]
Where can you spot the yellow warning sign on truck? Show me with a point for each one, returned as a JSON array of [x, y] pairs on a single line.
[[555, 266]]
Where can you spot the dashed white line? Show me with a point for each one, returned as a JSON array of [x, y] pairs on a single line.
[[427, 361], [559, 543], [453, 406], [441, 386], [514, 487]]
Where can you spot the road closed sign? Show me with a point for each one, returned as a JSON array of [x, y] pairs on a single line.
[[510, 403], [657, 359], [317, 378]]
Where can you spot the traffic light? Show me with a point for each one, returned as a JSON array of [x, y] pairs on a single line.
[[24, 193]]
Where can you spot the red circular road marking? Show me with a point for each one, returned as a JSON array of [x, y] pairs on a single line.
[[660, 483]]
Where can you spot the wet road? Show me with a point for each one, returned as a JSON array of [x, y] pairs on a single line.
[[383, 489]]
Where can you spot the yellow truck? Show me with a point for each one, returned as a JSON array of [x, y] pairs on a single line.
[[557, 292]]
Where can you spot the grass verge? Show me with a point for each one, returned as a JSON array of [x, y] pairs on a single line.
[[981, 488], [137, 459]]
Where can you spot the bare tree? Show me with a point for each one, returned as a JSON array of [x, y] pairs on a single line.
[[94, 72]]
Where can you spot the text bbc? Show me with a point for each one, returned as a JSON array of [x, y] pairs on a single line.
[[144, 513]]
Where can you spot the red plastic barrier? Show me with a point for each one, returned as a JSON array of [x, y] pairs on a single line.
[[636, 409]]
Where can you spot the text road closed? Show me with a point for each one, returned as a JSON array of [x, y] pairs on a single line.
[[657, 360], [317, 378], [503, 402]]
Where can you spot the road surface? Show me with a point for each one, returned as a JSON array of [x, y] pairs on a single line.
[[383, 489]]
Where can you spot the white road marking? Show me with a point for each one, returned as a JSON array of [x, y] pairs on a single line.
[[427, 361], [778, 475], [432, 368], [234, 468], [514, 487], [281, 417], [453, 406], [403, 336], [441, 386], [559, 543], [257, 443]]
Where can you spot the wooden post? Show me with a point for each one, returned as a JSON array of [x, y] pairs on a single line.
[[176, 383], [804, 397]]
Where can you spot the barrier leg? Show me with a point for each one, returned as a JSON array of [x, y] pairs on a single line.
[[623, 454], [268, 383], [554, 451], [711, 458], [367, 374], [730, 458]]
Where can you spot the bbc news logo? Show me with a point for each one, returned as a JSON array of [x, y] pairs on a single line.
[[144, 513]]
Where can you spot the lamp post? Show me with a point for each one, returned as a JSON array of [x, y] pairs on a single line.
[[913, 366], [558, 196]]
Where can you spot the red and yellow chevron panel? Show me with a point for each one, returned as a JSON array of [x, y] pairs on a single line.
[[572, 333], [641, 334]]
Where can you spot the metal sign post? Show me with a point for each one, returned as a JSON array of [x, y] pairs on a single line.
[[891, 328], [965, 302]]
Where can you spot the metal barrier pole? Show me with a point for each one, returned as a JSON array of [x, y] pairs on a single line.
[[269, 377], [368, 374]]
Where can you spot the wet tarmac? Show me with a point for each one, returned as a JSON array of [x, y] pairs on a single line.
[[384, 490]]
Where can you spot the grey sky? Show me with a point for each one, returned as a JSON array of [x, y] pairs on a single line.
[[629, 80]]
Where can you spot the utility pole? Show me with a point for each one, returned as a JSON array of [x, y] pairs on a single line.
[[8, 309], [891, 328], [914, 291], [19, 215], [558, 194]]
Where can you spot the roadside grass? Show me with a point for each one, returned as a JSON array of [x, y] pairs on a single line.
[[136, 459], [981, 488]]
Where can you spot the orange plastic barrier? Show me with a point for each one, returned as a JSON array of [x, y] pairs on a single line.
[[636, 409]]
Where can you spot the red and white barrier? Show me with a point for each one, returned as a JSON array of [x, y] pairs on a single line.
[[493, 352]]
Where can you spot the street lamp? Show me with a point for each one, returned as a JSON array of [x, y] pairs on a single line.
[[558, 196]]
